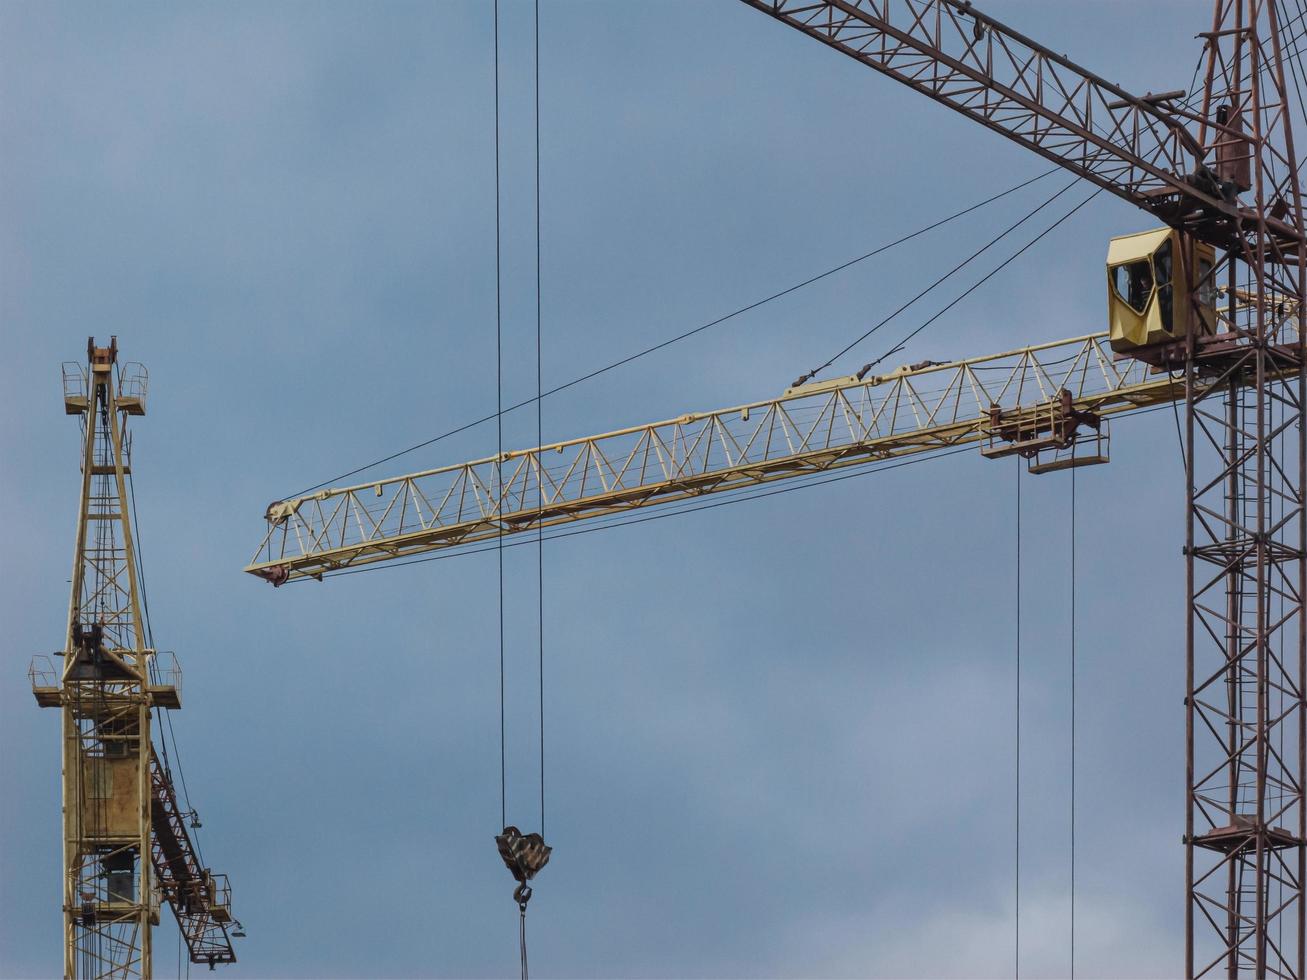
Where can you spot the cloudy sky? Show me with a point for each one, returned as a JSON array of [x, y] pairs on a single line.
[[780, 735]]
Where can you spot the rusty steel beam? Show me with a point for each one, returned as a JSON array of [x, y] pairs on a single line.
[[1141, 148], [1246, 643]]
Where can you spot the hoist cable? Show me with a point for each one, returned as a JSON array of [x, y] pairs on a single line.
[[1073, 722], [682, 336], [521, 937], [499, 458], [1016, 958], [938, 282], [540, 485]]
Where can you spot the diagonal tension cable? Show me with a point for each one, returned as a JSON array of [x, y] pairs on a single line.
[[1016, 856], [683, 336], [980, 282], [1073, 723], [803, 379]]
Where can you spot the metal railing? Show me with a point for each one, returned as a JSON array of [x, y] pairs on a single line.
[[217, 890], [42, 673], [166, 670], [74, 377], [133, 382]]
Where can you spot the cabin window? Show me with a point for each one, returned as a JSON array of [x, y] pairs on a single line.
[[1162, 268], [1133, 282]]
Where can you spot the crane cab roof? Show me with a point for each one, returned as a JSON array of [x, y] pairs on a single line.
[[1140, 245]]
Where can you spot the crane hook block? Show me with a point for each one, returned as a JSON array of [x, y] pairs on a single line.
[[524, 855]]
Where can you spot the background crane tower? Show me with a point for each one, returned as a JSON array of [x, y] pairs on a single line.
[[1218, 167], [126, 846]]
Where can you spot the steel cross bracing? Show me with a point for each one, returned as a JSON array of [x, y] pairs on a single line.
[[1244, 700], [108, 895], [808, 430], [109, 683], [1140, 148], [1246, 641]]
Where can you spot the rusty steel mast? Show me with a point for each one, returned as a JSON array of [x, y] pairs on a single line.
[[1219, 169]]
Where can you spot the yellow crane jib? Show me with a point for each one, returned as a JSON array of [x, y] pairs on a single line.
[[807, 430]]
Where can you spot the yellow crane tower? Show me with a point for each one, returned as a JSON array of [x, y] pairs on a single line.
[[126, 844], [1203, 312]]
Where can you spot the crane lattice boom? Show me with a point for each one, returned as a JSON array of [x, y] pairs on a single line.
[[810, 429]]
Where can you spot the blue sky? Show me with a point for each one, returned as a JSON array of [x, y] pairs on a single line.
[[779, 734]]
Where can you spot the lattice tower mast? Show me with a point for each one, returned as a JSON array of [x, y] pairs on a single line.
[[1246, 729], [109, 901]]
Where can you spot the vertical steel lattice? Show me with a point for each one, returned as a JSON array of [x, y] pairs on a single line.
[[108, 895], [1245, 532]]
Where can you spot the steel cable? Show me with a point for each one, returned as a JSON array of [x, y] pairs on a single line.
[[984, 279], [499, 458], [938, 282], [1016, 971], [521, 937], [540, 441], [682, 336], [1073, 722]]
